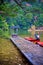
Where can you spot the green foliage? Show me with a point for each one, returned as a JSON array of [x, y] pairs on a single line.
[[3, 23], [41, 16], [1, 32], [14, 15], [39, 22], [29, 15], [3, 26]]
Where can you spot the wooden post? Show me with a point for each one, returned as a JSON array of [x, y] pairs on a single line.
[[33, 31]]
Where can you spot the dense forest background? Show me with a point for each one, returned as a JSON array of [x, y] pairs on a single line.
[[20, 13]]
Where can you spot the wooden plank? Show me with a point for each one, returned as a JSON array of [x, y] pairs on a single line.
[[37, 30], [33, 52]]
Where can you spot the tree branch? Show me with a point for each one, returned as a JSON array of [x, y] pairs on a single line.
[[20, 5]]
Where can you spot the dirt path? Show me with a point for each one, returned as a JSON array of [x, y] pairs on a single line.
[[10, 55]]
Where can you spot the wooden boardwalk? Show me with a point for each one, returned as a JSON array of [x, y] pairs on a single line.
[[33, 52]]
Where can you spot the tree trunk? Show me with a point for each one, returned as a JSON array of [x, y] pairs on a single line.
[[18, 2]]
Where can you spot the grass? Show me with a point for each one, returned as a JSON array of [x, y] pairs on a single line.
[[10, 55], [41, 36]]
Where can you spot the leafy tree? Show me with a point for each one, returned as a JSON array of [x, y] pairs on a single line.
[[17, 14], [3, 26]]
